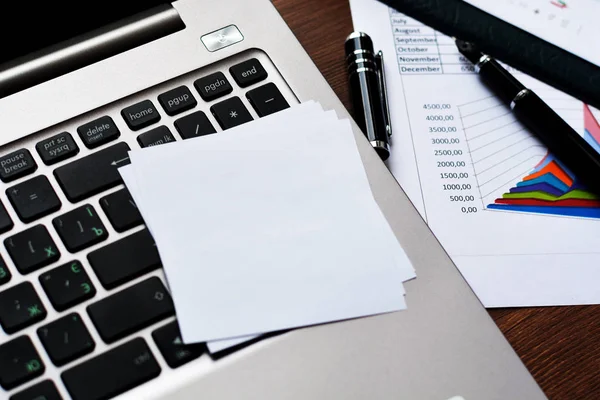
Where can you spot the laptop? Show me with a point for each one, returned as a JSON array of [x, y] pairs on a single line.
[[84, 307]]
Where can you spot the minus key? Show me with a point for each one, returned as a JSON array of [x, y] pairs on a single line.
[[267, 100]]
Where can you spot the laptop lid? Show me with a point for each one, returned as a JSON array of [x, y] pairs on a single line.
[[48, 39], [27, 27]]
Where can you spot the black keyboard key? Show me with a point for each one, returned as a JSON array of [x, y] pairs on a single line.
[[248, 73], [213, 86], [155, 137], [6, 223], [121, 210], [80, 228], [175, 353], [92, 174], [16, 164], [194, 125], [125, 259], [132, 309], [67, 285], [140, 115], [177, 100], [230, 113], [20, 307], [32, 249], [267, 99], [57, 148], [112, 373], [19, 362], [66, 339], [98, 132], [4, 272], [33, 198], [45, 390]]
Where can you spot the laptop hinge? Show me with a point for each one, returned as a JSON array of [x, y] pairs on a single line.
[[89, 48]]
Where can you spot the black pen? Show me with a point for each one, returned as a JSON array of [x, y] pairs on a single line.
[[368, 91], [566, 144]]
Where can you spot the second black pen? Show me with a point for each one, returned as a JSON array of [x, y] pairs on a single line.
[[553, 131]]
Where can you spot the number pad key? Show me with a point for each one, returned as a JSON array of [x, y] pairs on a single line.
[[32, 249], [67, 285], [213, 86], [80, 228], [19, 362], [248, 72], [155, 137], [140, 115], [231, 112], [66, 339], [194, 125], [20, 307], [177, 100], [267, 100]]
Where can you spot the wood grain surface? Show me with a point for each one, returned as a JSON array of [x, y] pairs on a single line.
[[559, 345]]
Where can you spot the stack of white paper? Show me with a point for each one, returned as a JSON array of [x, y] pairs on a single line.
[[268, 226]]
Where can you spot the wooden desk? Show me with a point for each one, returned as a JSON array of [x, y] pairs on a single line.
[[559, 345]]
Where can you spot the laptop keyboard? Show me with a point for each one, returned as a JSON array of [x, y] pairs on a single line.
[[84, 307]]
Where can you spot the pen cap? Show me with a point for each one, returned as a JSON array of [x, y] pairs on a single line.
[[359, 50]]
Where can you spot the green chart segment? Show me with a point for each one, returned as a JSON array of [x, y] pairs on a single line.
[[550, 188]]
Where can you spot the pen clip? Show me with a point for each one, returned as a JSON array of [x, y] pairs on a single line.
[[383, 92]]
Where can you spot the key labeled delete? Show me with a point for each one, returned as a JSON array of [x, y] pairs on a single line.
[[273, 226]]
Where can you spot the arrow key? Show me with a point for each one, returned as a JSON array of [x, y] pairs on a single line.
[[67, 285], [80, 228], [168, 341]]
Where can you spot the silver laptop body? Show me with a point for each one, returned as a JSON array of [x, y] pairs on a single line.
[[444, 345]]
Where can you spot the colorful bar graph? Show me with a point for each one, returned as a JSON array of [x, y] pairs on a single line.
[[550, 188]]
